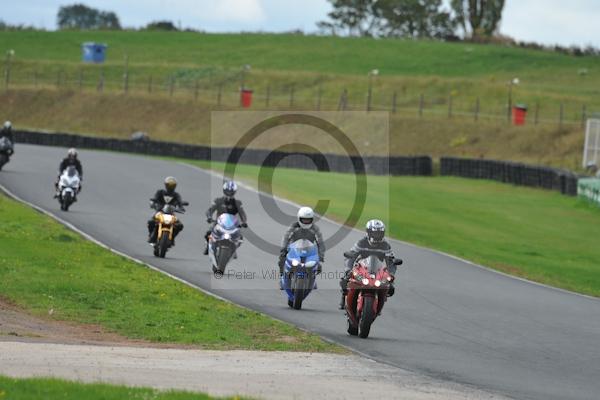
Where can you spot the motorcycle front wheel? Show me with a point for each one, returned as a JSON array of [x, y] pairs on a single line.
[[163, 245], [366, 318]]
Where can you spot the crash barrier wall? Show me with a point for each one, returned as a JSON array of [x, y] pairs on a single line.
[[511, 172], [590, 189], [375, 165]]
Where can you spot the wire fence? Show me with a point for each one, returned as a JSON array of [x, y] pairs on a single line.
[[227, 94]]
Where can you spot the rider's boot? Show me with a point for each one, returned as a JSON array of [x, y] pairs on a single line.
[[343, 301]]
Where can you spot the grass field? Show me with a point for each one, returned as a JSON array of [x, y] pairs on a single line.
[[444, 73], [43, 388], [52, 272], [535, 234]]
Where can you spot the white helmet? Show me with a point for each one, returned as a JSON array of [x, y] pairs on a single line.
[[72, 153], [306, 216], [8, 124]]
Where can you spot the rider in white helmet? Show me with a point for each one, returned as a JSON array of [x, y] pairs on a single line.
[[372, 243], [303, 228], [7, 132]]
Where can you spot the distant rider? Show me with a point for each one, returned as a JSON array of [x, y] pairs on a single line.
[[162, 197], [70, 160], [7, 132], [303, 228], [227, 204], [373, 242]]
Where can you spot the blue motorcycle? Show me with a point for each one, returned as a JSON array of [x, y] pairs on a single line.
[[300, 272]]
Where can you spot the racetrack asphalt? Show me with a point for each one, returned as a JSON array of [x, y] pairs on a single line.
[[449, 319]]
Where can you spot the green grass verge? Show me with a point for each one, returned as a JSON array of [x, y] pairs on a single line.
[[44, 267], [536, 234], [44, 388]]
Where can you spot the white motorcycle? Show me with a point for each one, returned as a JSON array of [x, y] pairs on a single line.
[[224, 240], [68, 187]]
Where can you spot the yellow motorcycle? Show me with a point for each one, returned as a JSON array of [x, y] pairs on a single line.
[[165, 225]]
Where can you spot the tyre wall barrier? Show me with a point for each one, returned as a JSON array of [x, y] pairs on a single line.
[[375, 165], [511, 172]]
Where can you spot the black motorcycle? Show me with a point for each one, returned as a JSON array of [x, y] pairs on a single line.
[[6, 150]]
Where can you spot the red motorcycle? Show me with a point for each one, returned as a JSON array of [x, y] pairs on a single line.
[[367, 292]]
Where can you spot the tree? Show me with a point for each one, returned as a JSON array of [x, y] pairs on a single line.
[[80, 16], [415, 18], [396, 18], [356, 17], [478, 17], [161, 26]]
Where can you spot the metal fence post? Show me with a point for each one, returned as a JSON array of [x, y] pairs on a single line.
[[268, 96], [292, 89], [561, 115], [319, 95], [126, 75], [101, 81], [583, 115], [394, 102]]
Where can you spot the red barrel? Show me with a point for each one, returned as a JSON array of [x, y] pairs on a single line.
[[519, 114], [246, 98]]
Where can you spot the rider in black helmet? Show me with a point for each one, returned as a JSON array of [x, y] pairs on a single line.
[[70, 160], [162, 197]]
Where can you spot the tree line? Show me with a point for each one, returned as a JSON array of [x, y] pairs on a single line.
[[414, 18], [80, 16]]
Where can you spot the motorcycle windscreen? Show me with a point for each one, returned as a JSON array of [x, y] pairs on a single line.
[[373, 263], [227, 221], [302, 248]]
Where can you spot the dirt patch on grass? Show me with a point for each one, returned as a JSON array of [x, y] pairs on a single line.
[[18, 325]]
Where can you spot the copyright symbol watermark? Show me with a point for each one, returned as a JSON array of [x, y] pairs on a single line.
[[273, 152]]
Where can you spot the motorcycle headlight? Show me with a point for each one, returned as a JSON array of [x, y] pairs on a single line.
[[167, 219], [377, 283], [226, 236], [365, 281], [295, 262]]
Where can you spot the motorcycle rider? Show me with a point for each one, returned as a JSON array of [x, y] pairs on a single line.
[[162, 197], [7, 132], [373, 242], [70, 160], [226, 204], [303, 228]]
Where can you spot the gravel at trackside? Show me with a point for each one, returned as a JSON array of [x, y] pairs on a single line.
[[265, 375]]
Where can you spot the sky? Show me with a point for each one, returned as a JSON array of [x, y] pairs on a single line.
[[544, 21]]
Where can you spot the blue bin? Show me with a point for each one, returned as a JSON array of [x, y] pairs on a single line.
[[93, 52]]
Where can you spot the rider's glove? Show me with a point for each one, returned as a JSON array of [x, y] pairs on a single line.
[[244, 225], [209, 220]]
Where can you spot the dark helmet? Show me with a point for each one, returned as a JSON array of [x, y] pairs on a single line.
[[229, 188], [375, 231], [170, 183]]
